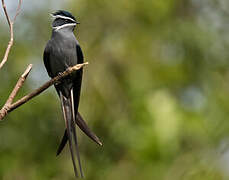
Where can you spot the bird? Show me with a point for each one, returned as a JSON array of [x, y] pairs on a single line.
[[61, 52]]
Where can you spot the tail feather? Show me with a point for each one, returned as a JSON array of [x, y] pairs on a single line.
[[84, 127], [77, 150], [74, 132], [63, 143], [68, 117]]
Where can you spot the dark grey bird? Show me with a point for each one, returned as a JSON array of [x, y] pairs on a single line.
[[61, 52]]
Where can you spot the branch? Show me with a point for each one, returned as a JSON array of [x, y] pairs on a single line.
[[5, 11], [10, 107], [11, 24], [19, 84], [18, 10]]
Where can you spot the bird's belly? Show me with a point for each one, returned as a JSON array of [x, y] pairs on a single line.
[[61, 60]]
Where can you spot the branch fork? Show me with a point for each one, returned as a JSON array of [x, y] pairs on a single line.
[[10, 106], [11, 25]]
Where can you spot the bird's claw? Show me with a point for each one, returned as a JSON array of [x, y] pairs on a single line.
[[59, 74]]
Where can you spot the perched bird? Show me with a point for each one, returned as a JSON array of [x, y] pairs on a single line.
[[63, 51]]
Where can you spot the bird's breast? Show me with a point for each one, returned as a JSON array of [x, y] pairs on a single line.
[[63, 55]]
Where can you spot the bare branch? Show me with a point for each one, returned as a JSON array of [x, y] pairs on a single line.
[[5, 11], [6, 109], [19, 84], [9, 46], [11, 24], [18, 10]]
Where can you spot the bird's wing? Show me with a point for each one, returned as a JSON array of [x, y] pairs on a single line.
[[46, 59], [76, 88], [79, 53]]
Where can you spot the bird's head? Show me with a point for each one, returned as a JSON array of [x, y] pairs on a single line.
[[63, 20]]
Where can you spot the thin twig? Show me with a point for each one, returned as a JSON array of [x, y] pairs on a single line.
[[5, 11], [11, 24], [19, 84], [11, 107], [18, 10], [12, 95], [9, 46]]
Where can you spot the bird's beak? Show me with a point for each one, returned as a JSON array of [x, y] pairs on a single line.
[[77, 22]]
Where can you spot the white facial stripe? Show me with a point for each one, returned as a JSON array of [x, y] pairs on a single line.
[[63, 17], [62, 26]]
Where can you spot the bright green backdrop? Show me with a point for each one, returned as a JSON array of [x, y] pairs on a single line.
[[156, 91]]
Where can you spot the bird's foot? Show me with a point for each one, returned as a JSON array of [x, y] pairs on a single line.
[[59, 74]]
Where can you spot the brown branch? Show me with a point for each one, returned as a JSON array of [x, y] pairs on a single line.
[[11, 24], [18, 10], [12, 95], [6, 109], [19, 84], [5, 11], [9, 46]]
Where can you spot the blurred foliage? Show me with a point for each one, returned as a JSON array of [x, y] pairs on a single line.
[[155, 92]]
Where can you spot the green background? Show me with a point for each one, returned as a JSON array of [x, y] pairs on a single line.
[[156, 91]]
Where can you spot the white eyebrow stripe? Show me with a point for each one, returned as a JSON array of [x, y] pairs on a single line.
[[62, 17], [62, 26]]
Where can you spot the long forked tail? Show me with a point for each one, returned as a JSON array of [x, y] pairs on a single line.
[[67, 104], [84, 127]]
